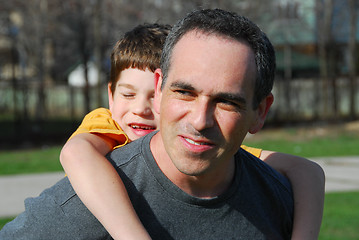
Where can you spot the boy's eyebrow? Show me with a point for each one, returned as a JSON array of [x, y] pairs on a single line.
[[221, 95], [126, 85]]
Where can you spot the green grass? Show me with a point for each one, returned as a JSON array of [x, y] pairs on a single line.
[[30, 161], [343, 144], [3, 221], [341, 217]]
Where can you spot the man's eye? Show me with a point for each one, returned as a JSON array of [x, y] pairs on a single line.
[[229, 105], [183, 92]]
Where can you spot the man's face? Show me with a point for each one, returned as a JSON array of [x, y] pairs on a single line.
[[206, 103], [131, 104]]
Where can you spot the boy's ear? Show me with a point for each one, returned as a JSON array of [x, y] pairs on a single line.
[[110, 97], [158, 93], [261, 113]]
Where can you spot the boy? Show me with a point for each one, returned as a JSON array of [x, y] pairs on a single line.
[[133, 61]]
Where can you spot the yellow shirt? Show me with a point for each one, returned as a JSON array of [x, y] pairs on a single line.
[[254, 151], [100, 122]]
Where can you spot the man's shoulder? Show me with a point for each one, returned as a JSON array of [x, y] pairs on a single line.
[[267, 172], [130, 151], [124, 154], [57, 213]]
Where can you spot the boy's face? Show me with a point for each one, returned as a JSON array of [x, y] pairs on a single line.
[[131, 104]]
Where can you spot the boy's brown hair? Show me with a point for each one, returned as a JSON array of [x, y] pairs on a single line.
[[139, 48]]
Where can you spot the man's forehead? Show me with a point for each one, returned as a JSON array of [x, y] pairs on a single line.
[[199, 38], [226, 73]]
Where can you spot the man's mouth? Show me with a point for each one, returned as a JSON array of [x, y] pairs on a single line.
[[197, 146], [196, 143]]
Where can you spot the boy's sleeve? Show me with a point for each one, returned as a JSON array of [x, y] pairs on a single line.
[[254, 151], [100, 122]]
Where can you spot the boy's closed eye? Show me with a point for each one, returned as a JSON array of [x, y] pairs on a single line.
[[128, 94], [126, 91]]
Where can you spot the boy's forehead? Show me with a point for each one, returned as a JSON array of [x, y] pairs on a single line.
[[133, 71], [137, 77]]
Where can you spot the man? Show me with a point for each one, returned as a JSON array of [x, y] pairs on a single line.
[[191, 180]]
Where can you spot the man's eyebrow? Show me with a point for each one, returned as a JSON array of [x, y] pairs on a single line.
[[182, 85], [231, 97], [221, 95]]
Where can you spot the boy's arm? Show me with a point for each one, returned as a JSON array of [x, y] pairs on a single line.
[[99, 186], [308, 181]]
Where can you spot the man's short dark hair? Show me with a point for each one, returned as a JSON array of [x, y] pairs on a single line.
[[227, 24]]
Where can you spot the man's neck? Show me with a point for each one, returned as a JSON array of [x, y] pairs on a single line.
[[204, 186]]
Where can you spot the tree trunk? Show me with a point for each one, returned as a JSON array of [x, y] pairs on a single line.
[[85, 61], [288, 77], [41, 106], [324, 8], [87, 86], [352, 58], [97, 49]]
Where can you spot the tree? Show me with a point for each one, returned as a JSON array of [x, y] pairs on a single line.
[[352, 57], [40, 30], [324, 20], [98, 56]]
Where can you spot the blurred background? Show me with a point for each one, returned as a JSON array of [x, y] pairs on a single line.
[[54, 67], [54, 58]]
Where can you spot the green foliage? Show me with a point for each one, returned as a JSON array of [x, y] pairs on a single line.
[[30, 161]]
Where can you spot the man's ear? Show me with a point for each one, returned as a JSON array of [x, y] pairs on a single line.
[[110, 96], [158, 92], [261, 113]]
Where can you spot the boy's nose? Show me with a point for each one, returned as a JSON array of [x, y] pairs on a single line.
[[146, 111], [142, 107]]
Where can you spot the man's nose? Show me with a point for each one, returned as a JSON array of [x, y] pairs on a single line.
[[202, 115]]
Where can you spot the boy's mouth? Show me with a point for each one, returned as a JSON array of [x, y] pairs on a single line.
[[142, 127]]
